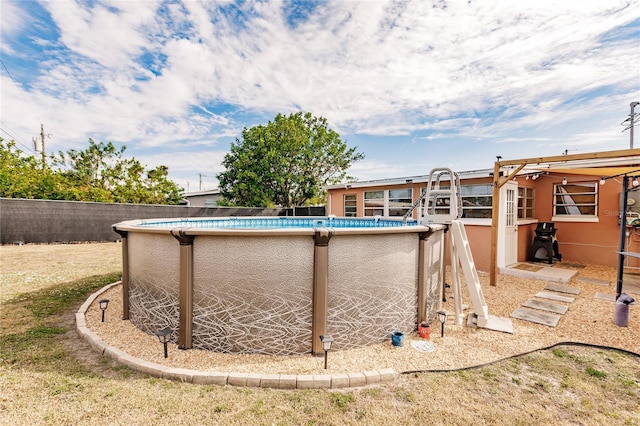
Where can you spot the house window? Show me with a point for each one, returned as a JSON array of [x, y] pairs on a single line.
[[350, 205], [400, 201], [575, 199], [374, 203], [476, 201], [389, 202], [526, 198]]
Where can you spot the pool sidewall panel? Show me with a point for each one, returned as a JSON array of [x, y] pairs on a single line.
[[372, 287], [253, 291], [154, 282], [253, 294]]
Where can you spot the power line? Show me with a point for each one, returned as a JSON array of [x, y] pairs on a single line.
[[42, 134], [28, 148], [21, 93]]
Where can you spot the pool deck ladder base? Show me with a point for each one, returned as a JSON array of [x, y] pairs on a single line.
[[461, 255], [444, 205]]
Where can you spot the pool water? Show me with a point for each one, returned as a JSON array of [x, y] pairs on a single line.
[[277, 223]]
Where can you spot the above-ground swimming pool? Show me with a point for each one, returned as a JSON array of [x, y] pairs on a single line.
[[274, 285]]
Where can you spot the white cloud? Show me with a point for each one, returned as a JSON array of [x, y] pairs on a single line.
[[109, 33], [491, 70], [13, 21]]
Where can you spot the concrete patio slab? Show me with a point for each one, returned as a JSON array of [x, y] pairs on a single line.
[[554, 296], [539, 272], [595, 281]]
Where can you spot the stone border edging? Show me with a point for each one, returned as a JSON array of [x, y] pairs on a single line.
[[275, 381]]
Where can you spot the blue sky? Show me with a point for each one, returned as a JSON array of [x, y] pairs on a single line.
[[413, 84]]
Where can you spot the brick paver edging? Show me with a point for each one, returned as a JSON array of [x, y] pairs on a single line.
[[276, 381]]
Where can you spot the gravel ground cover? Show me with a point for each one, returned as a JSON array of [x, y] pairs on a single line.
[[588, 320]]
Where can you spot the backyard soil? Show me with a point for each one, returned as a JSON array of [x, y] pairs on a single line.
[[589, 320]]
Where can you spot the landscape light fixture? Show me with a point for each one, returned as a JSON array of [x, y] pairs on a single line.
[[103, 306], [564, 180], [602, 180], [163, 336], [326, 340], [442, 317]]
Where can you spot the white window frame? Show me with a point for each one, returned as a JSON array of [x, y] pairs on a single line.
[[468, 196], [387, 202], [377, 210], [573, 217], [350, 213], [403, 208], [526, 202]]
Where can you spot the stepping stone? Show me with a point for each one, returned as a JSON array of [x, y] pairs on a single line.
[[536, 316], [555, 296], [593, 281], [556, 308], [605, 296], [563, 288]]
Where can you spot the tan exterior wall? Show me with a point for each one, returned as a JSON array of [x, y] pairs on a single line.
[[586, 242], [593, 242]]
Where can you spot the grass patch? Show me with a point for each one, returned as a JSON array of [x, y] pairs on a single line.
[[62, 297], [342, 400], [31, 332], [405, 395], [595, 373], [559, 353]]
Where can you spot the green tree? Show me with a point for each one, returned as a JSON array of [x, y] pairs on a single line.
[[24, 176], [101, 173], [284, 163], [90, 172]]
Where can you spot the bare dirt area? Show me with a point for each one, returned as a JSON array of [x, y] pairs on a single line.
[[32, 267]]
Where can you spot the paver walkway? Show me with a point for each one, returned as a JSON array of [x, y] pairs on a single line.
[[543, 311]]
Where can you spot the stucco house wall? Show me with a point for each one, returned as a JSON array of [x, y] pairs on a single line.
[[592, 240]]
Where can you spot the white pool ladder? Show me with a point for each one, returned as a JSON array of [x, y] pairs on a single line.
[[438, 204], [443, 204]]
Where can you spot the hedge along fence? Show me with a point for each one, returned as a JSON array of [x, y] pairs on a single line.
[[46, 221]]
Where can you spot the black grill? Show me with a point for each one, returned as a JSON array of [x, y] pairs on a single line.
[[545, 244]]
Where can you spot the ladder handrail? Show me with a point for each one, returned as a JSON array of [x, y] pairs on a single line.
[[433, 192], [412, 208]]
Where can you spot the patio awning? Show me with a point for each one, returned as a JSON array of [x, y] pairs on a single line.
[[598, 171]]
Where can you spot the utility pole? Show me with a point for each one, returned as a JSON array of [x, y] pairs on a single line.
[[631, 117], [200, 187], [41, 149], [631, 123]]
